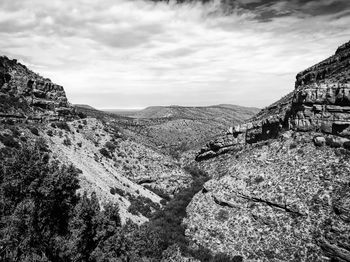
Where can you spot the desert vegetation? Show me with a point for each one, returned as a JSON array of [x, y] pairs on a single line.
[[44, 219]]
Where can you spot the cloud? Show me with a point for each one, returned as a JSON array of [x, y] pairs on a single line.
[[122, 53]]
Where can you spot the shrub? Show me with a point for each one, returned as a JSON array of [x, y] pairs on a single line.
[[142, 205], [62, 125], [49, 132], [222, 215], [81, 115], [41, 145], [110, 146], [158, 192], [195, 171], [105, 153], [119, 191], [9, 122], [34, 131], [15, 132], [9, 141], [67, 141]]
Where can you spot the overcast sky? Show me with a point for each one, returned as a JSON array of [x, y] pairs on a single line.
[[137, 53]]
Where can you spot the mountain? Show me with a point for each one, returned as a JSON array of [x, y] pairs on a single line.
[[280, 182], [223, 112], [84, 106]]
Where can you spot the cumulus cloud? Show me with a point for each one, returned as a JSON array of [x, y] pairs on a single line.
[[124, 54]]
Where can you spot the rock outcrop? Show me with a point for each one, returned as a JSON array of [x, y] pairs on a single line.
[[285, 200], [319, 103], [25, 95]]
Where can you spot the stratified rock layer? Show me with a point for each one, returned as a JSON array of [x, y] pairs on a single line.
[[24, 95], [319, 103], [280, 194]]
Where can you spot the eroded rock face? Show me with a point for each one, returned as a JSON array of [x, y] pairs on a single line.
[[282, 201], [25, 95], [319, 103], [321, 99]]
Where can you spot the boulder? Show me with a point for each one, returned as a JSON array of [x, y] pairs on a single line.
[[319, 141]]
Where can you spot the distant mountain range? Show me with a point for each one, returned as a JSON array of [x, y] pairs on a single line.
[[189, 112], [171, 127]]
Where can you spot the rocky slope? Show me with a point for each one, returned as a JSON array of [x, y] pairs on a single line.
[[113, 165], [280, 194], [320, 103]]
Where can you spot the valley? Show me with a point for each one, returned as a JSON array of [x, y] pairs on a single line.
[[215, 183]]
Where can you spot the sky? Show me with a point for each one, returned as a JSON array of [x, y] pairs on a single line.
[[139, 53]]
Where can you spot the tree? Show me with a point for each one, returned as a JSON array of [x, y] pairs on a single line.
[[83, 228], [37, 198]]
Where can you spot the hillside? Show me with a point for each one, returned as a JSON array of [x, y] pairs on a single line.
[[112, 164], [280, 182], [176, 128], [224, 113]]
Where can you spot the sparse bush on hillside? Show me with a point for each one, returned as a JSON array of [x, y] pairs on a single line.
[[49, 132], [142, 205], [176, 151], [196, 172], [41, 145], [9, 141], [110, 146], [292, 145], [119, 191], [222, 215], [34, 131], [67, 141], [81, 115], [105, 153], [8, 122], [61, 125], [15, 132], [121, 154], [158, 192]]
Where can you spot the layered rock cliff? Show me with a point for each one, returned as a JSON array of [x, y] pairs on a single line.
[[25, 95], [277, 194], [319, 103]]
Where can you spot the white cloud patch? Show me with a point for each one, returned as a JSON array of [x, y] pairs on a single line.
[[124, 54]]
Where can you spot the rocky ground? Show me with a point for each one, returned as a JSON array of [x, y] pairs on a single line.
[[285, 199]]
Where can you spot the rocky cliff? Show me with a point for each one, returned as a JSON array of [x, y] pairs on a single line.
[[319, 103], [25, 95], [278, 194]]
